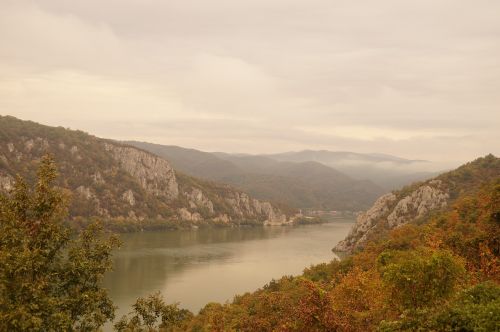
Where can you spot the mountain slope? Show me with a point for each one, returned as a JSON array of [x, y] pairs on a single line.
[[387, 171], [299, 184], [116, 181], [417, 201]]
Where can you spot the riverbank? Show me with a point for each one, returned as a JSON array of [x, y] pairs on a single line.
[[119, 225]]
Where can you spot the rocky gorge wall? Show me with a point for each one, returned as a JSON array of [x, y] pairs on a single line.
[[393, 210]]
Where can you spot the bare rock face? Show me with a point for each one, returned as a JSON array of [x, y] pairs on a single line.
[[395, 212], [28, 145], [97, 178], [365, 222], [85, 192], [223, 218], [197, 199], [128, 197], [184, 214], [155, 175], [244, 206], [426, 198], [6, 182]]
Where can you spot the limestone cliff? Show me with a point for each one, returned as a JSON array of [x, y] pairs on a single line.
[[393, 210], [416, 201], [245, 206], [155, 174]]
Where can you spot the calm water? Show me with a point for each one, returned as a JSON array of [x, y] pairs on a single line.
[[200, 266]]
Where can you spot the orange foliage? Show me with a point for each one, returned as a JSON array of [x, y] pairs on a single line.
[[358, 301]]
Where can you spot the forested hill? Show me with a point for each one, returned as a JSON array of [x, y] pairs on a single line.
[[416, 202], [123, 183]]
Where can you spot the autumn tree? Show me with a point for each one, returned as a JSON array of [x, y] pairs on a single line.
[[50, 277]]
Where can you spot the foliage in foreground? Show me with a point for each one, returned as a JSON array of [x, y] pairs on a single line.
[[442, 275], [49, 278]]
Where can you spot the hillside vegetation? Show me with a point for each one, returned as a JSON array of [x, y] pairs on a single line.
[[127, 186]]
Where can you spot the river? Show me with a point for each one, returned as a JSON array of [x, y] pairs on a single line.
[[195, 267]]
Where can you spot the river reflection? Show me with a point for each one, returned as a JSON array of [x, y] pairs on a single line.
[[199, 266]]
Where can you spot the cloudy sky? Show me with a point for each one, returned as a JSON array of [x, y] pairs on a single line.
[[417, 78]]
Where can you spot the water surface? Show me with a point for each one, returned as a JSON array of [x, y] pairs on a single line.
[[195, 267]]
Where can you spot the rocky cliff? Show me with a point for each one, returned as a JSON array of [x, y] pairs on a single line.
[[154, 174], [415, 202], [115, 181]]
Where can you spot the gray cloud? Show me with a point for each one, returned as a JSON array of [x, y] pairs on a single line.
[[418, 79]]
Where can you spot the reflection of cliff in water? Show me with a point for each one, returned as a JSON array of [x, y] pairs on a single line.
[[199, 266], [146, 260], [184, 238]]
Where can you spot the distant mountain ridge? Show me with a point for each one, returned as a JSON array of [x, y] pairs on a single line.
[[112, 180], [309, 184], [336, 156], [389, 172]]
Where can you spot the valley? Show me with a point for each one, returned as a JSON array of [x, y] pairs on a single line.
[[256, 261]]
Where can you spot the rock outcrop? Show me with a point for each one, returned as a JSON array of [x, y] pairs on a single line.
[[242, 208], [426, 198], [198, 200], [245, 206], [395, 209], [6, 182], [155, 175], [129, 197], [85, 192]]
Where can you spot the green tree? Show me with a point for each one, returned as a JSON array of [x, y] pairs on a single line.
[[420, 278], [49, 277], [153, 314], [474, 309]]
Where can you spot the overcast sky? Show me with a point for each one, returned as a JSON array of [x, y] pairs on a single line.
[[418, 78]]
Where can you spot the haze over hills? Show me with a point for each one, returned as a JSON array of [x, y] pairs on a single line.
[[389, 172], [119, 182], [300, 184]]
